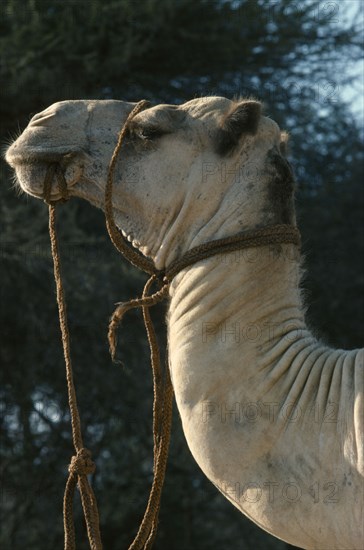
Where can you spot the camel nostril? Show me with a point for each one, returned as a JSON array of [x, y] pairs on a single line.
[[41, 119]]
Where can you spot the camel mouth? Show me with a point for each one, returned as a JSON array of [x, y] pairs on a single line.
[[31, 166]]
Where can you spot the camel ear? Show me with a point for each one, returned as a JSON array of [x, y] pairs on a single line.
[[283, 146], [241, 119]]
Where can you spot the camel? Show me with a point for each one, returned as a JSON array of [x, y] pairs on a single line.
[[272, 416]]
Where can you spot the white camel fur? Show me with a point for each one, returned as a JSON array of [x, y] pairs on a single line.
[[272, 416]]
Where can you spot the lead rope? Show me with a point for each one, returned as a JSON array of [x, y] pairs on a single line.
[[81, 464], [162, 385]]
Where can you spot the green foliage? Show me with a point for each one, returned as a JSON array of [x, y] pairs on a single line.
[[292, 55]]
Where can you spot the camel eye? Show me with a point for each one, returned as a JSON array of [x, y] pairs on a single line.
[[149, 133]]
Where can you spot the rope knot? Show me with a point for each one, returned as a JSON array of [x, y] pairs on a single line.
[[81, 463]]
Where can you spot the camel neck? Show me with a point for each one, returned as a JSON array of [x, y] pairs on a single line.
[[241, 304], [259, 397], [253, 293]]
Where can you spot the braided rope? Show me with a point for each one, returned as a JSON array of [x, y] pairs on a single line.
[[121, 244], [81, 464], [274, 234], [162, 390]]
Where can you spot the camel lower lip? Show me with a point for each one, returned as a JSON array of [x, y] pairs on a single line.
[[54, 197], [32, 177]]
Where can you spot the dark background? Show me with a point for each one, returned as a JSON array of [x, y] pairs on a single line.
[[294, 56]]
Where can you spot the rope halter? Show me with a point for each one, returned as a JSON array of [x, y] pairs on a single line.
[[81, 464]]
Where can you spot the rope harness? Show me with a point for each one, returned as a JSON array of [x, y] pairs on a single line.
[[81, 464]]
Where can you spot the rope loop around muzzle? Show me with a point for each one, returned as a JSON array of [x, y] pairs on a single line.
[[54, 169]]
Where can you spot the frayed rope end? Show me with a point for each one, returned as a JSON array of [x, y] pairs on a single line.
[[115, 321]]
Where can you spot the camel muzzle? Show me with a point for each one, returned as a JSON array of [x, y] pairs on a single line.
[[31, 165]]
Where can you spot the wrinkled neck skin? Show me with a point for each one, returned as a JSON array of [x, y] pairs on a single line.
[[268, 412]]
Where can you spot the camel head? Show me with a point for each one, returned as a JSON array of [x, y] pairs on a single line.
[[185, 175]]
